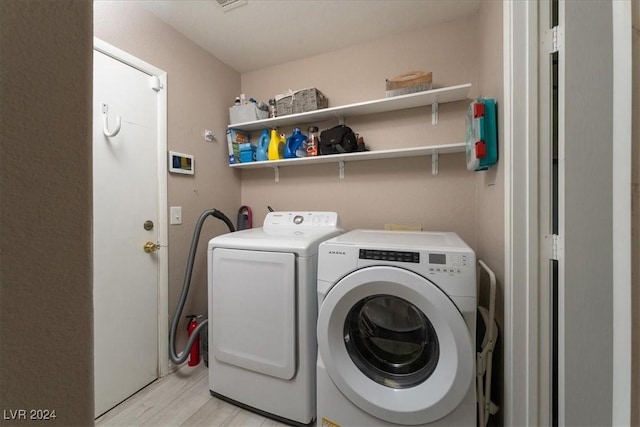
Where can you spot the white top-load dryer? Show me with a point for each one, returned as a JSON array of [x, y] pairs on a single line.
[[263, 311], [396, 330]]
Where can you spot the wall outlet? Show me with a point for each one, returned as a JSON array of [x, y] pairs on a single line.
[[175, 215]]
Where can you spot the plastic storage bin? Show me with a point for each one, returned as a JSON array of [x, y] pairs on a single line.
[[246, 113]]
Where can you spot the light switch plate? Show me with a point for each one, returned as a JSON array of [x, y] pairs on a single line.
[[175, 215]]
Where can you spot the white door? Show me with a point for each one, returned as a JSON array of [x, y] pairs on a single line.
[[587, 168], [591, 269], [126, 215], [568, 324]]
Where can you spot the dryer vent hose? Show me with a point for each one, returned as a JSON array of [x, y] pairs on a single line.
[[175, 358]]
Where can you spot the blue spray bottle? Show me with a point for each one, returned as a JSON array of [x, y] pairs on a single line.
[[295, 145], [263, 146]]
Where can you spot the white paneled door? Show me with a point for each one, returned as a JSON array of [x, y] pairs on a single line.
[[127, 228]]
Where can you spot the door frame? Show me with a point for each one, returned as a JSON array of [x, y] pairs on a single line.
[[521, 322], [161, 158], [526, 373]]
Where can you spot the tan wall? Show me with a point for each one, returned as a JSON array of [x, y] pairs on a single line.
[[200, 90], [383, 191], [46, 315], [490, 184]]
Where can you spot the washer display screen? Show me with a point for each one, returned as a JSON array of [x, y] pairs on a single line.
[[437, 259], [391, 341]]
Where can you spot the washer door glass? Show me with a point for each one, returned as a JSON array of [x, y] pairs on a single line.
[[391, 341]]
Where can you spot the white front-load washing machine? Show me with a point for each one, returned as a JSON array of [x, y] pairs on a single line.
[[396, 330], [262, 314]]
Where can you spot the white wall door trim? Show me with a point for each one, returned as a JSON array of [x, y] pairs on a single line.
[[521, 297], [622, 119], [163, 260]]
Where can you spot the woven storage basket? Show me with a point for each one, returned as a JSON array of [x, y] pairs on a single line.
[[301, 101]]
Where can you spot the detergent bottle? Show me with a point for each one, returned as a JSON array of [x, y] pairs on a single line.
[[275, 145], [295, 146], [263, 146]]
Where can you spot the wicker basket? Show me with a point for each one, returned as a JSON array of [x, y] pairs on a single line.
[[300, 101]]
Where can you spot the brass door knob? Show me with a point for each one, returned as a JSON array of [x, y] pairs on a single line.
[[151, 247]]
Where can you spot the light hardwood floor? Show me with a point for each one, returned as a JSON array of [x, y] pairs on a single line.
[[181, 399]]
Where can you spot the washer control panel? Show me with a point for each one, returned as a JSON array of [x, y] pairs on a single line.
[[434, 262], [380, 255], [450, 263]]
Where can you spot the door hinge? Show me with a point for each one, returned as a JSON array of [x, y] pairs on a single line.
[[552, 39], [557, 248]]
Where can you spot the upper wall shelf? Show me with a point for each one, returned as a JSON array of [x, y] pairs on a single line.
[[418, 99]]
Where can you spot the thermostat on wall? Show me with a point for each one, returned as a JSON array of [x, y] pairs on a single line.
[[181, 163]]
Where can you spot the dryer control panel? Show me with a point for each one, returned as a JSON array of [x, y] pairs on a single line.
[[301, 219]]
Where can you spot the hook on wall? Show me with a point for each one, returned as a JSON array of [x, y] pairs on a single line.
[[105, 123]]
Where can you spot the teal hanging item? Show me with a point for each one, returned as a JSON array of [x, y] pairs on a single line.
[[482, 135]]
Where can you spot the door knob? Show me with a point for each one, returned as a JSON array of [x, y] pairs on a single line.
[[151, 247]]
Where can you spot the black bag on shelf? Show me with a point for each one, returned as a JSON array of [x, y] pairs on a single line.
[[337, 140]]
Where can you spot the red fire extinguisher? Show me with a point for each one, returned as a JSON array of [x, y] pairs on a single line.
[[194, 354]]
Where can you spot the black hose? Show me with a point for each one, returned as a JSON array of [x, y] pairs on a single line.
[[185, 289]]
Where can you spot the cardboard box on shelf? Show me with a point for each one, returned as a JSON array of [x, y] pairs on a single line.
[[409, 82], [236, 137]]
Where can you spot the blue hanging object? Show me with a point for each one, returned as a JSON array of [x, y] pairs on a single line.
[[263, 146], [295, 145], [482, 136]]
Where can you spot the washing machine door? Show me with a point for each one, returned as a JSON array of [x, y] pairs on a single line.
[[395, 345]]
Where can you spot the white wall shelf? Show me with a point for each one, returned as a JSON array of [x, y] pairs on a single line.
[[413, 100], [433, 150], [401, 102]]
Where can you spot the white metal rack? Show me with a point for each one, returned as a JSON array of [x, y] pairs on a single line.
[[413, 100], [434, 151]]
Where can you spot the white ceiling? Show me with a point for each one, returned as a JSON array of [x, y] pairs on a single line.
[[261, 33]]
